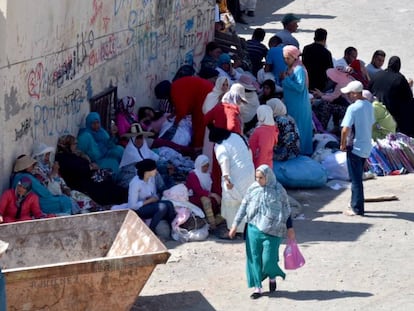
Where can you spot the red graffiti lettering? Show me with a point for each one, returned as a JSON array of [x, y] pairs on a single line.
[[106, 23], [34, 82], [97, 8]]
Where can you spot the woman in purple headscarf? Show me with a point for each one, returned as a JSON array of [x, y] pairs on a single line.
[[125, 115]]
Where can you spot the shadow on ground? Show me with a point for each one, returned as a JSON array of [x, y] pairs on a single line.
[[183, 301], [265, 13], [320, 295]]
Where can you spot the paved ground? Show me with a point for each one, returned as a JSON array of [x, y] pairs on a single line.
[[366, 25], [353, 263]]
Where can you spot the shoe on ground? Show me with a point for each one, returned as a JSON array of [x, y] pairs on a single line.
[[272, 286], [349, 212], [255, 295]]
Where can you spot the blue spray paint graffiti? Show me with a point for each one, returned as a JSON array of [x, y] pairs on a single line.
[[62, 117]]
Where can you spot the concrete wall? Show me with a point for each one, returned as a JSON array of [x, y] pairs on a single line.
[[55, 55]]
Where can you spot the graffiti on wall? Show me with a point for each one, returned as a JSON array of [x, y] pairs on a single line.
[[11, 104], [24, 129], [62, 117], [154, 52]]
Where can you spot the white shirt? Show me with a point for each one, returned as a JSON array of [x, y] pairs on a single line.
[[139, 191]]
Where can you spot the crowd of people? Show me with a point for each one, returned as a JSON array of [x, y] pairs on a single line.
[[219, 131]]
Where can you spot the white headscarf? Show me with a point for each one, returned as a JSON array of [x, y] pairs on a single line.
[[133, 155], [215, 95], [204, 178], [265, 115], [278, 107]]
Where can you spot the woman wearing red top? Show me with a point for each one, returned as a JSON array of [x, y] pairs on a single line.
[[226, 115], [264, 137], [187, 97], [20, 204], [199, 182]]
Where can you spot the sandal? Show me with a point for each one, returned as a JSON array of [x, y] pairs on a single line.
[[255, 295]]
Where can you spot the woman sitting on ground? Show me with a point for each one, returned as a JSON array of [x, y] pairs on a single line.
[[85, 176], [143, 197], [332, 104], [125, 116], [137, 150], [288, 143], [211, 56], [199, 182], [269, 91], [47, 172], [98, 145], [49, 203], [20, 203]]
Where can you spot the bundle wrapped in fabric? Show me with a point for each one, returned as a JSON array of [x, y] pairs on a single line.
[[300, 172]]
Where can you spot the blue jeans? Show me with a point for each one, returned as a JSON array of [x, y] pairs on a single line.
[[157, 211], [356, 170]]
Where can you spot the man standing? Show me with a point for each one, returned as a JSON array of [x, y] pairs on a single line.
[[290, 25], [257, 50], [317, 59], [356, 141]]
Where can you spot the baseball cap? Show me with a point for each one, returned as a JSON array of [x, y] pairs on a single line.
[[353, 86], [224, 59], [290, 17]]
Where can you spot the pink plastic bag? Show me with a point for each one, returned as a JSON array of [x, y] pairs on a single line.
[[292, 255]]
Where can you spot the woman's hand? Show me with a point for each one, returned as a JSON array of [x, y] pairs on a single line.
[[291, 234], [317, 93], [151, 200], [232, 232], [228, 182], [1, 219], [93, 167]]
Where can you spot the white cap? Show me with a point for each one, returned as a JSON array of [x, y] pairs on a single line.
[[353, 86]]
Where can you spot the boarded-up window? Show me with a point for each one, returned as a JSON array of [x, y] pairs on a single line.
[[104, 104]]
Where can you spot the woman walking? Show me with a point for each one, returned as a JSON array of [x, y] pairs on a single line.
[[267, 212]]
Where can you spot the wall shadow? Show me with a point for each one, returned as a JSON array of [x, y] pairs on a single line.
[[182, 301]]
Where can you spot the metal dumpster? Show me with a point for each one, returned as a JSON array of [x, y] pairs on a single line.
[[98, 261]]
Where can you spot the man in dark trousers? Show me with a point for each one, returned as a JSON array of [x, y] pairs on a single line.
[[317, 59], [356, 141]]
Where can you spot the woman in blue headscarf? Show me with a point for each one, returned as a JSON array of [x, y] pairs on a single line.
[[98, 145], [49, 203]]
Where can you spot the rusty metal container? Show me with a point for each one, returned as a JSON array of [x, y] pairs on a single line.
[[98, 261]]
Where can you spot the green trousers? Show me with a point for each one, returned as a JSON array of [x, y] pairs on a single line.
[[262, 252]]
